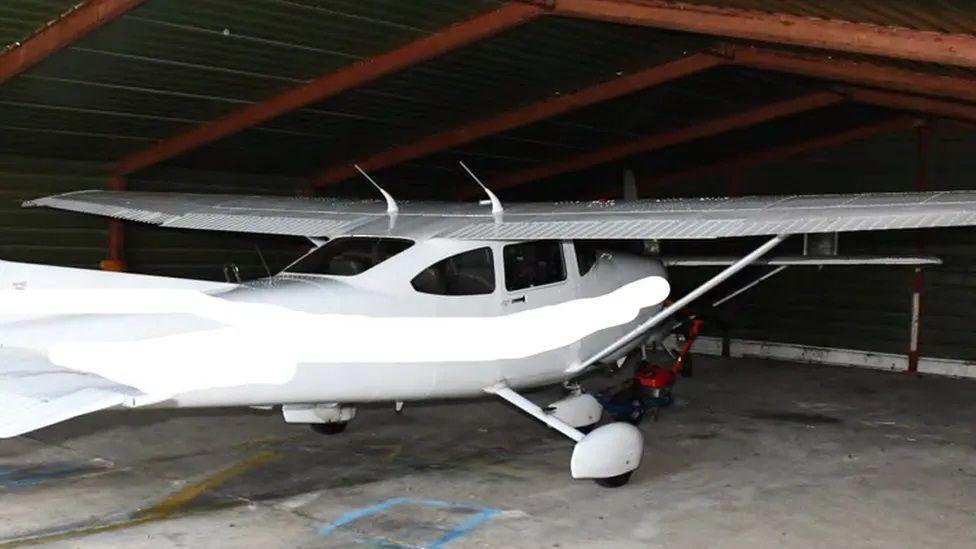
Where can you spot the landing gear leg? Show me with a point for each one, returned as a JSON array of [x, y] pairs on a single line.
[[608, 454]]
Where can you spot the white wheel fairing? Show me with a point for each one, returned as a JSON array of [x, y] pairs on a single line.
[[608, 451], [577, 410]]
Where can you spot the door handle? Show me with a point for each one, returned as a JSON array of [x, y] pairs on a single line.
[[514, 300]]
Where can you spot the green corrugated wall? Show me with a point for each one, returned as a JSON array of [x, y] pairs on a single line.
[[59, 238], [865, 308]]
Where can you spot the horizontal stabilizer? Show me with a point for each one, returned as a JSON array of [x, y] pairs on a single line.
[[22, 414], [35, 393], [804, 260]]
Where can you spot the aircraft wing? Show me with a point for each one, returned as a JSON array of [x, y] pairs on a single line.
[[35, 393], [689, 218], [804, 260]]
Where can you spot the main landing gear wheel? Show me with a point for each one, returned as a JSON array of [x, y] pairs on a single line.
[[614, 482], [329, 428]]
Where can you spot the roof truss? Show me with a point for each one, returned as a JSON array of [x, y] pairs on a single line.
[[776, 153], [533, 112], [829, 34], [331, 84], [60, 33], [670, 138]]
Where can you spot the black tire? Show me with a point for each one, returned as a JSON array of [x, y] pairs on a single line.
[[328, 428], [586, 429], [614, 482], [637, 415]]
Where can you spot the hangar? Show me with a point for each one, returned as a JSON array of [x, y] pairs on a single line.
[[549, 100]]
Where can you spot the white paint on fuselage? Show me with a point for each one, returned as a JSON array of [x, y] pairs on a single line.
[[312, 338]]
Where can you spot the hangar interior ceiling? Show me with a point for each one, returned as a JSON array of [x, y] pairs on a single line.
[[545, 100]]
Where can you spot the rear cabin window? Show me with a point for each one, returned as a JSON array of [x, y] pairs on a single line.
[[586, 254], [349, 256], [588, 251], [535, 263], [468, 273]]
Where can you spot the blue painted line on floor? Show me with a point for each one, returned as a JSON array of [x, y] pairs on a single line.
[[464, 528], [357, 514], [479, 516], [28, 476]]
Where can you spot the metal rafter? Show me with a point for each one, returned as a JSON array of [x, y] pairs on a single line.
[[60, 33], [777, 153], [856, 72], [829, 34], [522, 116], [908, 102], [662, 140], [328, 85]]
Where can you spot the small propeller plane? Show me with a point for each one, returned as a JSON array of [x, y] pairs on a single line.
[[395, 302]]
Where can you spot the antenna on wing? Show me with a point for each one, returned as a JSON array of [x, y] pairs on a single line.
[[496, 205], [391, 205]]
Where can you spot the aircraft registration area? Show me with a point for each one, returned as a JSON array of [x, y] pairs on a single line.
[[562, 273]]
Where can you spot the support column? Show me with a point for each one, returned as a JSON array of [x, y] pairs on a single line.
[[116, 240], [733, 183], [923, 134]]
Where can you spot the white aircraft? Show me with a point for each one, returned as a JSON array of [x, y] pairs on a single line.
[[395, 303]]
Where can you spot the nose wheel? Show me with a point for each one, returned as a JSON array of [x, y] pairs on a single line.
[[614, 482]]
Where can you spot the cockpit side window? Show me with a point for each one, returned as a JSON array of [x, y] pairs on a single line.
[[349, 256], [467, 273], [534, 263]]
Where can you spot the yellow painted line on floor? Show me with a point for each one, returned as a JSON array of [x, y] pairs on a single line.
[[170, 505], [178, 499], [392, 450]]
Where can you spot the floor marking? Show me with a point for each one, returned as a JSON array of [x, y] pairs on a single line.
[[392, 450], [29, 476], [478, 516], [166, 508], [177, 500]]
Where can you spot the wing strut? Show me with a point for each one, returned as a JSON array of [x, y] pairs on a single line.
[[751, 285], [535, 411], [665, 313]]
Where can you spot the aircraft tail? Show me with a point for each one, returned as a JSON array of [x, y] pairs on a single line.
[[23, 276]]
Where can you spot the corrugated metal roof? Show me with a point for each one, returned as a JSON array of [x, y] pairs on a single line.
[[954, 16], [22, 18], [167, 66], [524, 65]]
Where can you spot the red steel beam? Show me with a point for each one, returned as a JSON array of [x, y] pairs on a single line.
[[781, 152], [528, 114], [943, 109], [812, 32], [351, 76], [658, 141], [855, 72], [60, 33], [116, 235]]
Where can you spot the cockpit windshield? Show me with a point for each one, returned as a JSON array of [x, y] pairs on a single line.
[[349, 256]]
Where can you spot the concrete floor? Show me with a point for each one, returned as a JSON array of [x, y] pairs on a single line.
[[754, 454]]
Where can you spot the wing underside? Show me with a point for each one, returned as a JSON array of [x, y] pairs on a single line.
[[696, 218]]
